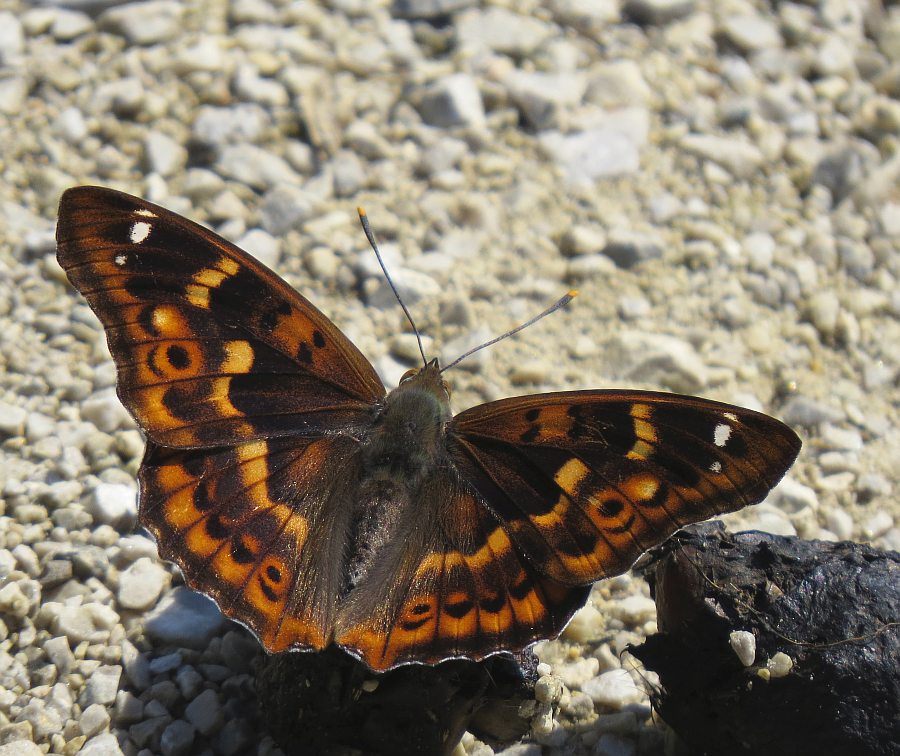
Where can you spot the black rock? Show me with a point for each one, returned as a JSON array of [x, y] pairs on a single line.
[[833, 608], [329, 703]]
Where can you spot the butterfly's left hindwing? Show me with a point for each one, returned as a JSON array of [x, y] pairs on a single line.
[[586, 481], [212, 348], [260, 527]]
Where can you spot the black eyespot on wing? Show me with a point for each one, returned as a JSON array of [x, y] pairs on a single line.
[[178, 356]]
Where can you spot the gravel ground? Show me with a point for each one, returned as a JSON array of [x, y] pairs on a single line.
[[719, 179]]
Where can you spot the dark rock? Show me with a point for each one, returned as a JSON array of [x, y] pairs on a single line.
[[833, 608], [328, 702]]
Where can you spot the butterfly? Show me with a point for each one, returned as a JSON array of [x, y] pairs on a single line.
[[316, 508]]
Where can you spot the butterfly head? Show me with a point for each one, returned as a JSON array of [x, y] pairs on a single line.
[[428, 378]]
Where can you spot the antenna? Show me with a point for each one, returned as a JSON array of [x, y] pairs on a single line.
[[364, 219], [562, 302]]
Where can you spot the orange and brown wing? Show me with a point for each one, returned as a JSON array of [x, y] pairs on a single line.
[[584, 482], [455, 586], [212, 348], [260, 527]]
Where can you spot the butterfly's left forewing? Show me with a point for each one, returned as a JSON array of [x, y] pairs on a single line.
[[211, 347], [586, 481]]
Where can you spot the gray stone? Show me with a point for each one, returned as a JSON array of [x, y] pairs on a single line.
[[69, 24], [167, 663], [428, 9], [255, 167], [21, 748], [807, 412], [144, 23], [113, 504], [628, 248], [59, 653], [148, 732], [184, 618], [88, 622], [141, 585], [43, 719], [617, 84], [104, 410], [263, 246], [841, 170], [12, 419], [658, 359], [657, 12], [545, 98], [284, 208], [205, 712], [751, 33], [348, 173], [412, 285], [235, 737], [102, 686], [177, 739], [452, 101], [129, 708], [501, 30], [13, 93], [101, 745], [610, 744], [12, 38], [239, 123], [614, 689], [94, 719], [162, 154], [741, 159], [190, 681], [250, 86], [611, 149]]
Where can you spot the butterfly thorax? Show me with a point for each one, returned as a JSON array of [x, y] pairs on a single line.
[[405, 442]]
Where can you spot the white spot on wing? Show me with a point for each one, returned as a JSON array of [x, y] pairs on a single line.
[[145, 213], [139, 232], [120, 260], [721, 434], [716, 467], [730, 416]]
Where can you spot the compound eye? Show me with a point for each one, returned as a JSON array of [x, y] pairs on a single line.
[[409, 374]]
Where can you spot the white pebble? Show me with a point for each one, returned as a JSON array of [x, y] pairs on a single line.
[[780, 665], [113, 504], [791, 497], [102, 745], [12, 419], [94, 719], [614, 689], [744, 646], [633, 610], [102, 686], [104, 410], [141, 584], [184, 618]]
